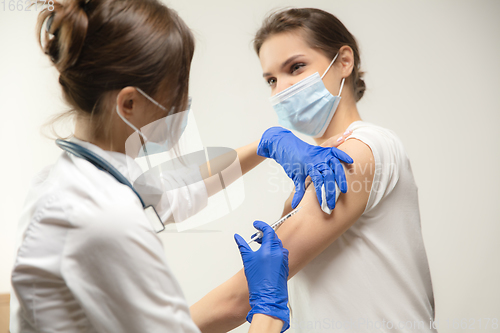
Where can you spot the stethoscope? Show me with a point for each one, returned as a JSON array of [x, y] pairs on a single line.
[[104, 165]]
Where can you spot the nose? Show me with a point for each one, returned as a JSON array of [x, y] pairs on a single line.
[[283, 84]]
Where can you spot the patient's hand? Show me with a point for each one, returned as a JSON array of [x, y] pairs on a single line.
[[336, 140]]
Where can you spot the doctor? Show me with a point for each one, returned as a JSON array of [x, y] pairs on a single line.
[[88, 258]]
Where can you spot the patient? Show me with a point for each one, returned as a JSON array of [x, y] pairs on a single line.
[[365, 263]]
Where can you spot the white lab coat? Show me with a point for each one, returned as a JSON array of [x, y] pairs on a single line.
[[88, 259]]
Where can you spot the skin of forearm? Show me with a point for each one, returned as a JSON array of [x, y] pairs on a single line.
[[223, 308], [248, 157], [263, 323], [235, 163]]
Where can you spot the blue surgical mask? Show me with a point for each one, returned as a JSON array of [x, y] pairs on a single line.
[[307, 106], [160, 135]]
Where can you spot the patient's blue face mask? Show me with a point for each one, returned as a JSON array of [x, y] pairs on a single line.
[[307, 106], [160, 135]]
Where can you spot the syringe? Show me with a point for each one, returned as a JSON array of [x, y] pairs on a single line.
[[275, 225]]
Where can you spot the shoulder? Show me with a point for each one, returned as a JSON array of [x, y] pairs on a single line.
[[383, 142], [389, 157], [86, 199], [360, 174], [75, 221], [363, 157]]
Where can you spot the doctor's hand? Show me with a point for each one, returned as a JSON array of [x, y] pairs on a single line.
[[300, 159], [266, 271]]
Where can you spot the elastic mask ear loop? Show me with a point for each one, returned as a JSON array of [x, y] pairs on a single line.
[[129, 123], [137, 130], [341, 86], [152, 100], [322, 76], [343, 79]]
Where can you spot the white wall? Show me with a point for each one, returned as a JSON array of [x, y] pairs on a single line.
[[432, 75]]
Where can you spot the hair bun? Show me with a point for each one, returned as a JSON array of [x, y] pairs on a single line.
[[67, 23], [359, 89]]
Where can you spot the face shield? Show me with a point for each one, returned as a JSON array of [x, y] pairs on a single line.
[[188, 184]]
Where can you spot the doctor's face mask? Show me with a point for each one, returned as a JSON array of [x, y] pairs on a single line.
[[160, 135], [307, 106]]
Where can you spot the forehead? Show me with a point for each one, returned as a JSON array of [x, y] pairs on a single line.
[[281, 46]]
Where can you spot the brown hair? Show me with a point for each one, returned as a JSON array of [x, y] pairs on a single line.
[[104, 45], [323, 30]]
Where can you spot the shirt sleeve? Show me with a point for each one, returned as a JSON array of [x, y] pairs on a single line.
[[115, 266], [386, 156]]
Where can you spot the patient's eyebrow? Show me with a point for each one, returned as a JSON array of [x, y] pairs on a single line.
[[289, 60]]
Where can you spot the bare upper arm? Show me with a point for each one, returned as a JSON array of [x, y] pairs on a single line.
[[309, 232], [287, 208]]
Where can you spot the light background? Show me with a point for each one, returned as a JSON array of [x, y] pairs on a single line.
[[432, 72]]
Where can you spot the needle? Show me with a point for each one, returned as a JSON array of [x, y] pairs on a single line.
[[275, 225]]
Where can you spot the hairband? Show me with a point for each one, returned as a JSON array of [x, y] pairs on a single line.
[[49, 23]]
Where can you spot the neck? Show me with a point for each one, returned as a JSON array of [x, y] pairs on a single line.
[[84, 131], [344, 116]]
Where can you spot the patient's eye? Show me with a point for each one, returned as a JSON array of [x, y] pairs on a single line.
[[296, 67], [271, 81]]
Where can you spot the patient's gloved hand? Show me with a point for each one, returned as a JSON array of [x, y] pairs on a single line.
[[266, 271], [300, 159]]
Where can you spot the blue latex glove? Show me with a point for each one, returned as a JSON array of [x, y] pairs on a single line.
[[300, 159], [266, 271]]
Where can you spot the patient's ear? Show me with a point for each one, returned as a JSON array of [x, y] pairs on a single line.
[[346, 57]]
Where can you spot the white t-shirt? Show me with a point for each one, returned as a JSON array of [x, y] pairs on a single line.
[[375, 275], [88, 259]]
